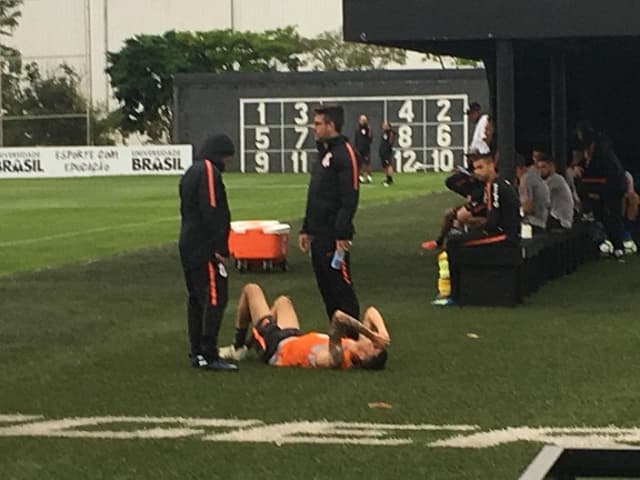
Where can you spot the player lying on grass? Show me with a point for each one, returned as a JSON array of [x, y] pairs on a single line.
[[276, 333]]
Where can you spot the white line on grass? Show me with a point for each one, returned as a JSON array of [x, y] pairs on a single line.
[[223, 430], [89, 231]]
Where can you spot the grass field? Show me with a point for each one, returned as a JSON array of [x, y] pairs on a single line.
[[92, 325]]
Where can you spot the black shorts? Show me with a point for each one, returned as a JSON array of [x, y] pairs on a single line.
[[364, 158], [386, 162], [268, 336]]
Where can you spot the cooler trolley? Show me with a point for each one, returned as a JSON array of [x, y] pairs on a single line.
[[259, 244]]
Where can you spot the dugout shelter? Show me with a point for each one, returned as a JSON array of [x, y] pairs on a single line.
[[549, 63]]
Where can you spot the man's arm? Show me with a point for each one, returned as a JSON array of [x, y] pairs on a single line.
[[465, 217], [213, 207], [373, 319], [342, 325], [347, 168]]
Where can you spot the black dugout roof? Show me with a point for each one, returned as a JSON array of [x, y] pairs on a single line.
[[549, 63], [421, 20]]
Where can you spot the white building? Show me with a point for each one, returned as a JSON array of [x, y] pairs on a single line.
[[52, 31]]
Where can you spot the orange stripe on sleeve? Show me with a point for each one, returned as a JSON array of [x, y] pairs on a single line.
[[345, 273], [594, 180], [354, 165], [213, 293], [210, 185]]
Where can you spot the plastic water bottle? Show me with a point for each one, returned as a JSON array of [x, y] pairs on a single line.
[[337, 259]]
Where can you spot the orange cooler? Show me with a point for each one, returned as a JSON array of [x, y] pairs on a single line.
[[262, 243]]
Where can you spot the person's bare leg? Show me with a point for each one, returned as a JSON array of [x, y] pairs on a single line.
[[252, 306], [284, 313]]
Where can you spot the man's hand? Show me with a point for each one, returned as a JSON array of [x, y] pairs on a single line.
[[528, 207], [221, 259], [344, 245], [578, 171], [378, 340], [303, 242], [463, 215], [342, 324]]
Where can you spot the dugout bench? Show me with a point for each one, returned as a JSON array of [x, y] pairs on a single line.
[[504, 274]]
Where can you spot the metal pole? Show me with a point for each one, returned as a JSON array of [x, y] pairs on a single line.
[[232, 14], [1, 105], [559, 110], [505, 93], [90, 70], [106, 54]]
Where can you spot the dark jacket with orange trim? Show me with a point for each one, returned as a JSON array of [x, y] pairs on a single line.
[[503, 209], [605, 166], [332, 199], [204, 209]]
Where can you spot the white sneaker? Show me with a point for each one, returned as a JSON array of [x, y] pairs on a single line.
[[232, 353], [385, 184], [630, 247], [369, 179], [361, 179]]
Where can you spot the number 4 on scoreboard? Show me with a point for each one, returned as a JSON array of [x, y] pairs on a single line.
[[406, 111]]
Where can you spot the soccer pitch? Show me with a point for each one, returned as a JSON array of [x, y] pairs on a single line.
[[96, 382]]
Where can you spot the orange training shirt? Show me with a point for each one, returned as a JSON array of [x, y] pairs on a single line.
[[302, 351]]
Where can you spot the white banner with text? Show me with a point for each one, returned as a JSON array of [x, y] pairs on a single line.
[[60, 162]]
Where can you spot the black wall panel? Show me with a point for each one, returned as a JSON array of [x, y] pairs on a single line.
[[268, 115]]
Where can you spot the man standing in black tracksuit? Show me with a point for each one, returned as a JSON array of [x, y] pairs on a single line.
[[385, 150], [331, 205], [204, 248], [605, 179], [363, 137]]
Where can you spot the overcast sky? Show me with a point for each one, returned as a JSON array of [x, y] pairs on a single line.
[[58, 28]]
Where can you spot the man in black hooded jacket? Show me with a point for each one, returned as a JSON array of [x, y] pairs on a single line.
[[204, 248]]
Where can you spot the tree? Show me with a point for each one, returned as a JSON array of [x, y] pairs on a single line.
[[10, 58], [11, 61], [58, 93], [454, 62], [328, 51], [9, 15], [142, 71], [39, 98]]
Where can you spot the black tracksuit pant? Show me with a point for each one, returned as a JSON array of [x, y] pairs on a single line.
[[609, 211], [336, 286], [208, 295]]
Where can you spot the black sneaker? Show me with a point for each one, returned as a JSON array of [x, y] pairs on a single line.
[[211, 363], [221, 365], [198, 361]]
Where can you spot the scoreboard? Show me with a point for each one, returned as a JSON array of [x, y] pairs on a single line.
[[276, 134]]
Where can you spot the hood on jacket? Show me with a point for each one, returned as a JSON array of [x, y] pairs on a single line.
[[215, 148]]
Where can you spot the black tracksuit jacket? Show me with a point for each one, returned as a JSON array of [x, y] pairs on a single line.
[[333, 193], [205, 212]]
